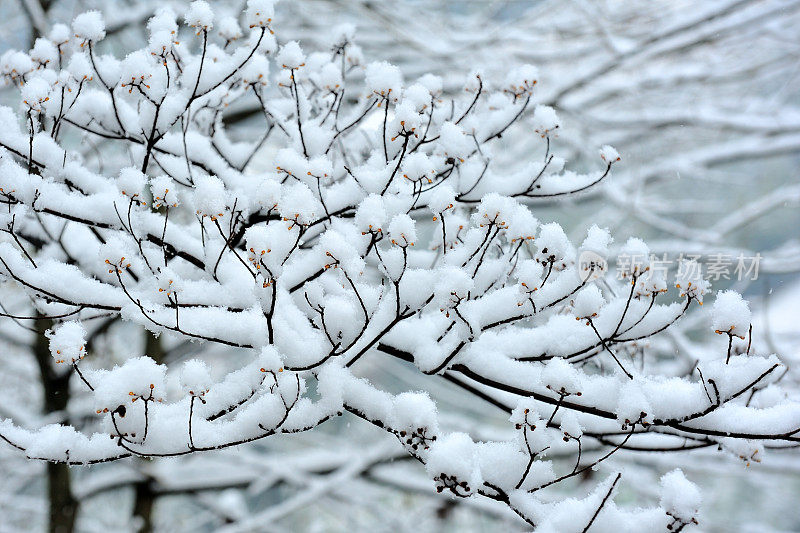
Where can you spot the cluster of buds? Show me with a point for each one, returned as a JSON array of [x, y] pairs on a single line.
[[213, 217], [545, 132], [34, 93], [149, 398], [501, 224], [254, 256], [403, 131], [135, 197], [563, 392], [117, 266], [609, 155], [169, 289], [755, 456], [333, 88], [692, 290], [324, 175], [274, 374], [416, 439], [260, 80], [650, 286], [545, 257], [678, 524], [730, 332], [634, 271], [60, 42], [135, 396], [14, 76], [259, 14], [89, 27], [423, 177], [452, 160], [262, 22], [85, 77], [517, 90], [286, 171], [265, 280], [161, 201], [451, 483], [384, 94], [294, 221], [449, 206], [40, 55], [164, 52], [530, 425], [405, 242], [642, 420], [373, 231], [121, 410], [199, 394], [567, 436], [81, 354], [200, 28], [524, 238], [530, 421], [36, 105], [137, 82], [334, 262], [452, 303]]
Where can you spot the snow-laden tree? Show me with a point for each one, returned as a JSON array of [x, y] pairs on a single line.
[[654, 79], [696, 97], [381, 230]]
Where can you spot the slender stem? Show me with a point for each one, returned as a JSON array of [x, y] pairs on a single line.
[[603, 342], [80, 375], [602, 503], [385, 118], [191, 413]]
